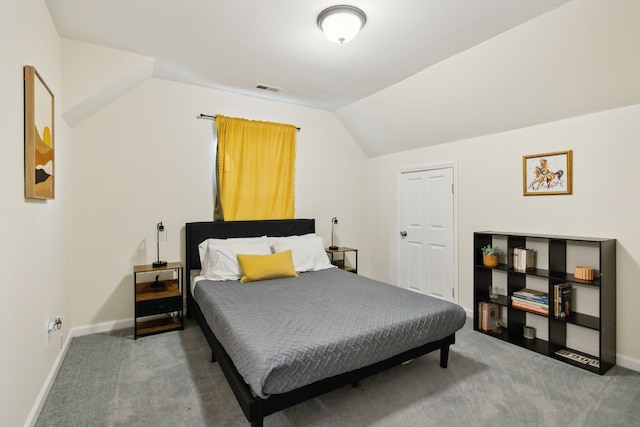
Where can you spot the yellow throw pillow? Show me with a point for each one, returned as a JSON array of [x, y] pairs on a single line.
[[264, 267]]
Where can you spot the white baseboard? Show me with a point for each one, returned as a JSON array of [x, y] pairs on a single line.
[[628, 362], [99, 328], [46, 388], [74, 332]]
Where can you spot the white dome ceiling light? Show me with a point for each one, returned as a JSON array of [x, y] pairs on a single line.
[[341, 24]]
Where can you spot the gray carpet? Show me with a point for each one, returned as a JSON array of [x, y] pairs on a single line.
[[167, 380]]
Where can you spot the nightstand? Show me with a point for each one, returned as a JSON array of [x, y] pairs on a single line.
[[341, 261], [158, 299]]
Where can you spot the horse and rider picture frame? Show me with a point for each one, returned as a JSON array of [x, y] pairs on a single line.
[[548, 173]]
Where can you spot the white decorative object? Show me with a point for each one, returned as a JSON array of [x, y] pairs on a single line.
[[523, 259]]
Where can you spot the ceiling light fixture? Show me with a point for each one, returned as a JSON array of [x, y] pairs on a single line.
[[341, 23]]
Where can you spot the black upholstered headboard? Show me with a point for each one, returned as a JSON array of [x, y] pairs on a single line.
[[197, 232]]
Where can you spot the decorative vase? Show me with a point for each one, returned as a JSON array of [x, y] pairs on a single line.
[[490, 260]]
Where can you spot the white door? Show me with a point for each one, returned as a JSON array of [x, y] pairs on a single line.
[[427, 232]]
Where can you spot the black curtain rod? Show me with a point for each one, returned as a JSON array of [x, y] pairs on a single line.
[[206, 116]]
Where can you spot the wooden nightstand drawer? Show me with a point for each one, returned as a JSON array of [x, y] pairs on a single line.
[[160, 296], [158, 306]]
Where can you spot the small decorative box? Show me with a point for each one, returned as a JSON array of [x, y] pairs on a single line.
[[583, 273]]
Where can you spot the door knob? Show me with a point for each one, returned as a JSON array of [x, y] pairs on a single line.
[[403, 234]]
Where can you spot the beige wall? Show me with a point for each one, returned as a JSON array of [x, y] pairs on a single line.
[[35, 248], [145, 158], [603, 204], [580, 58]]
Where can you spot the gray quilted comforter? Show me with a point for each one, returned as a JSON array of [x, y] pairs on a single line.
[[286, 333]]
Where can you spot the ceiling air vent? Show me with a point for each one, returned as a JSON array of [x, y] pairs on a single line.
[[269, 88]]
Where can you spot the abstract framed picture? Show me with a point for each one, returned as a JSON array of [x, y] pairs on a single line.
[[548, 173], [39, 172]]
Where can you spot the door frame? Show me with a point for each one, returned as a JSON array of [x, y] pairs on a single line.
[[447, 165]]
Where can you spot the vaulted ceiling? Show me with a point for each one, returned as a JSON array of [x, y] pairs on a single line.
[[404, 62]]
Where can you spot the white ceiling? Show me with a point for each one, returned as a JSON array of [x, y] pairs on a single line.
[[234, 45]]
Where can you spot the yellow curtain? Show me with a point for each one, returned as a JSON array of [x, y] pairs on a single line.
[[255, 170]]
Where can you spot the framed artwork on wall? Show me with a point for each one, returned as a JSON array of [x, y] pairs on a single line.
[[548, 173], [39, 173]]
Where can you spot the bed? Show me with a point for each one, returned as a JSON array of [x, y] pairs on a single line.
[[282, 341]]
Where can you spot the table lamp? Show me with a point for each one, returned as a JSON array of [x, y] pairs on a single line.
[[160, 235], [334, 221]]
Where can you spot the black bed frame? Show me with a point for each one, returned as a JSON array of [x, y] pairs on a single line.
[[256, 408]]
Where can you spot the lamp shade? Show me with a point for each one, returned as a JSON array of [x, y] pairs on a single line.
[[341, 23]]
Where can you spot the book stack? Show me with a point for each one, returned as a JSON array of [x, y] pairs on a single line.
[[531, 300], [562, 298], [586, 360], [488, 316], [523, 259]]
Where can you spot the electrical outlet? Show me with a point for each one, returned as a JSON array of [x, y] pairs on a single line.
[[57, 323], [53, 325]]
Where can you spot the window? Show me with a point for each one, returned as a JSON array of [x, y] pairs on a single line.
[[255, 170]]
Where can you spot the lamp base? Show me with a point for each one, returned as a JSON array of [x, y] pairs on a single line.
[[333, 248], [159, 264]]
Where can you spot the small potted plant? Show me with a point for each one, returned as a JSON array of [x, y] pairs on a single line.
[[490, 256]]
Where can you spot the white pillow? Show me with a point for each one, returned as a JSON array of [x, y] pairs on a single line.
[[307, 251], [274, 240], [202, 247], [221, 256]]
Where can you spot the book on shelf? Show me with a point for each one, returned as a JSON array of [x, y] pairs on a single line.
[[488, 316], [562, 300], [581, 358], [532, 295], [529, 302], [523, 259], [531, 308]]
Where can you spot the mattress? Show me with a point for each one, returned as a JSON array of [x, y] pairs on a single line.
[[283, 334]]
